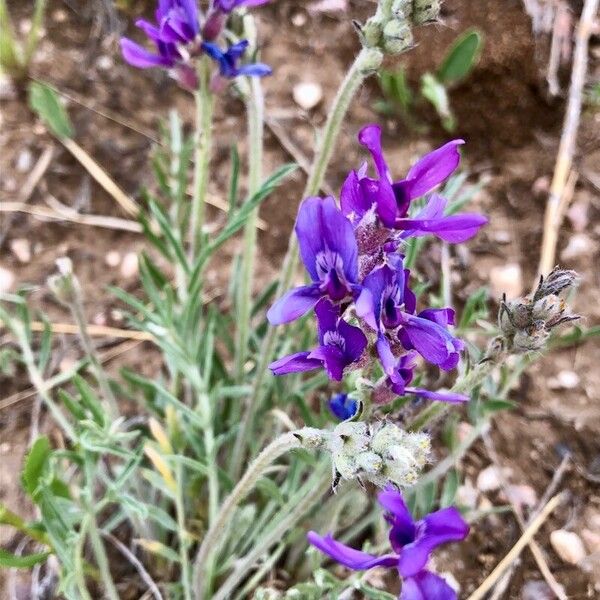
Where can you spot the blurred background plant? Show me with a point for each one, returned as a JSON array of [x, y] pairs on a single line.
[[18, 48], [401, 100]]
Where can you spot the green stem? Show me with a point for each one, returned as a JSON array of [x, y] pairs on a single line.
[[467, 383], [36, 378], [202, 154], [367, 62], [182, 534], [76, 306], [205, 559], [255, 109], [95, 539], [79, 571]]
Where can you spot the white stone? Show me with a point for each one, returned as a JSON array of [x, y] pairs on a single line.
[[112, 259], [129, 266], [564, 380], [489, 479], [21, 248], [467, 495], [580, 245], [105, 63], [24, 161], [7, 279], [506, 279], [307, 94], [568, 546]]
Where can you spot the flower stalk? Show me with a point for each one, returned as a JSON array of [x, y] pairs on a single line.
[[202, 154], [204, 562], [367, 62]]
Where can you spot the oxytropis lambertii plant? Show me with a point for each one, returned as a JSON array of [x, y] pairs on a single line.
[[187, 491]]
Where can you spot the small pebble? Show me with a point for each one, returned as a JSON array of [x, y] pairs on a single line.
[[506, 279], [307, 94], [591, 540], [112, 259], [467, 495], [7, 279], [129, 266], [578, 215], [564, 380], [7, 88], [568, 546], [24, 161], [489, 479], [541, 186], [59, 15], [104, 63], [580, 245], [21, 248], [537, 590], [502, 237], [522, 495], [299, 19]]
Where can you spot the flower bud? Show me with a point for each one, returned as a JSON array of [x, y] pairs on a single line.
[[372, 32], [64, 284], [397, 36], [371, 61], [213, 25], [425, 11]]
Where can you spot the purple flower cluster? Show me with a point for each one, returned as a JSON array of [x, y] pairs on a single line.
[[179, 39], [353, 256], [412, 543]]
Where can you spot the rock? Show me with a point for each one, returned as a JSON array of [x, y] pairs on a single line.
[[59, 15], [579, 246], [591, 540], [307, 94], [578, 215], [506, 279], [522, 495], [24, 161], [129, 266], [537, 590], [463, 431], [112, 259], [7, 88], [467, 495], [104, 63], [541, 186], [328, 6], [7, 279], [568, 545], [299, 19], [501, 237], [21, 248], [565, 380], [489, 479]]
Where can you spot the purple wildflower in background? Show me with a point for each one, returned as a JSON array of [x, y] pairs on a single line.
[[227, 6], [362, 198], [343, 406], [412, 542], [178, 41], [341, 344], [330, 254], [228, 61]]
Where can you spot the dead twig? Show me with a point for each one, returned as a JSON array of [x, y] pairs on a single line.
[[536, 551], [65, 213], [57, 380], [566, 149], [34, 177], [95, 331], [516, 550]]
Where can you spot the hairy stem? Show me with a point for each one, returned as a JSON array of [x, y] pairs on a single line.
[[367, 62], [182, 534], [204, 562], [202, 153], [255, 110]]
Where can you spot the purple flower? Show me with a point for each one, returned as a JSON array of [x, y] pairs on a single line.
[[174, 35], [330, 254], [341, 344], [412, 543], [228, 61], [362, 197], [386, 304], [227, 6], [343, 406]]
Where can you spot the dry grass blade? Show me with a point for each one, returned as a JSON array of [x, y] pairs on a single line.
[[566, 149], [101, 177], [516, 550], [64, 213], [94, 330]]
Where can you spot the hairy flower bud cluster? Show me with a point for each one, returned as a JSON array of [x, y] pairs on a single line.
[[381, 454], [526, 322], [390, 29]]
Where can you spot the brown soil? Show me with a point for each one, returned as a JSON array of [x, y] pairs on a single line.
[[512, 130]]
